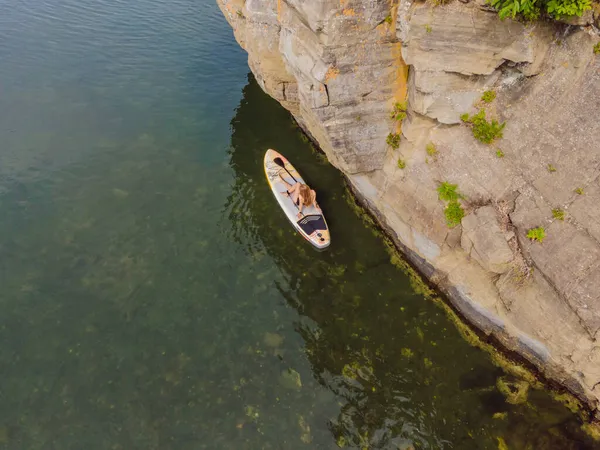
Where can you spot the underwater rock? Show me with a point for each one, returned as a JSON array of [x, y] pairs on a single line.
[[306, 436], [290, 379], [273, 339]]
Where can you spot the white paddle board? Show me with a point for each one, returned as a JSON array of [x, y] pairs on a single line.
[[312, 226]]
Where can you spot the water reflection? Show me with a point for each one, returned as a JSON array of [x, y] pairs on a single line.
[[394, 372]]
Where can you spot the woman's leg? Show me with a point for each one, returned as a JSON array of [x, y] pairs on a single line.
[[288, 186], [295, 192]]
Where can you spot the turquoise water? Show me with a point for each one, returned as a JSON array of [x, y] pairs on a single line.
[[152, 294]]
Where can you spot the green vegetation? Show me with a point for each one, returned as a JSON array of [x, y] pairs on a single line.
[[499, 153], [537, 234], [579, 191], [558, 214], [407, 353], [358, 118], [551, 168], [597, 49], [399, 111], [428, 28], [532, 9], [488, 96], [454, 214], [240, 14], [484, 131], [568, 8], [592, 429], [393, 140], [569, 401], [514, 391], [454, 211], [388, 20], [448, 192], [431, 149], [501, 443], [401, 163]]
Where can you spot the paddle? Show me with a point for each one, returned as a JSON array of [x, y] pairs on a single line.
[[281, 164]]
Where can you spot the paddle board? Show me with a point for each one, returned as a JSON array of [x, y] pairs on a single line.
[[312, 226]]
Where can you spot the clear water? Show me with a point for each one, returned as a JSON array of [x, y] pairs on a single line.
[[152, 294]]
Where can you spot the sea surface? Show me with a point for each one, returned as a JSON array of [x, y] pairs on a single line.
[[152, 294]]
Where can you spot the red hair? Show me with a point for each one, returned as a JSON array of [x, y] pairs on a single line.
[[307, 195]]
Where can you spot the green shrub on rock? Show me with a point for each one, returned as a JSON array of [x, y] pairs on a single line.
[[393, 140], [431, 149], [454, 214], [399, 111], [484, 131], [537, 234], [448, 192], [531, 9], [568, 8], [488, 96], [558, 214]]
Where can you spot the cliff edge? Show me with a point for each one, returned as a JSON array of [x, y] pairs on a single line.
[[409, 100]]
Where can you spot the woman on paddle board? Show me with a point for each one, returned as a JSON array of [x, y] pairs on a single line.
[[301, 195]]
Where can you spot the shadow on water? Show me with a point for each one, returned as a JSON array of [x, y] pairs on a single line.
[[392, 371]]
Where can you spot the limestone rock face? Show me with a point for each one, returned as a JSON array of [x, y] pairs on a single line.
[[341, 61], [340, 65], [483, 240]]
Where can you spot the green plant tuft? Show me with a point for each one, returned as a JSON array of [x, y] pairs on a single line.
[[484, 131], [388, 20], [551, 168], [407, 352], [488, 96], [531, 9], [393, 140], [597, 49], [537, 234], [558, 214], [428, 28], [568, 8], [399, 111], [464, 117], [499, 153], [401, 163], [240, 14], [448, 192], [454, 214], [431, 149], [579, 191]]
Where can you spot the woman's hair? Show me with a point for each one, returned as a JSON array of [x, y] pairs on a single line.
[[306, 194]]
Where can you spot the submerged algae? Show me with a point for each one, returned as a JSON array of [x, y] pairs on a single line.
[[514, 391]]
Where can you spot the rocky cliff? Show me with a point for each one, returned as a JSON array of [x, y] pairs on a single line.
[[342, 67]]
